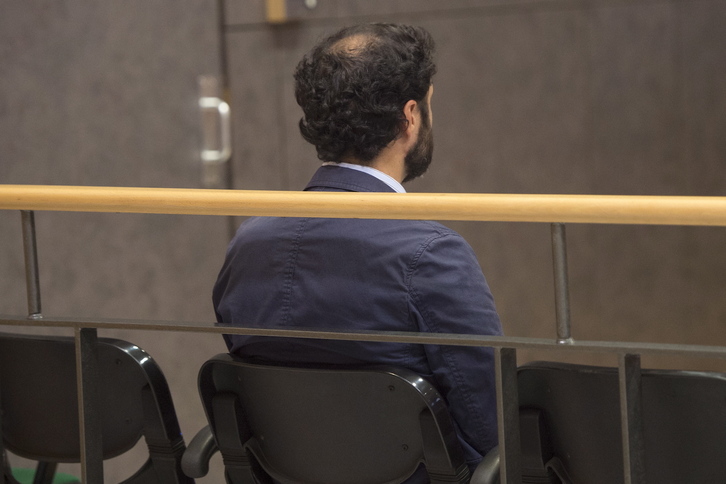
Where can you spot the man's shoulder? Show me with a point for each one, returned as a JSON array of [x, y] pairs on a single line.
[[257, 227], [430, 228], [386, 231]]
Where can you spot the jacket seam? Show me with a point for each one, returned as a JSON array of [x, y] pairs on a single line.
[[290, 266]]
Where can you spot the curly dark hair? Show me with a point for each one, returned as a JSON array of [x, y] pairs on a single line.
[[353, 86]]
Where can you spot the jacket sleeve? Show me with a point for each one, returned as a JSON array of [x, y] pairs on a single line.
[[449, 294]]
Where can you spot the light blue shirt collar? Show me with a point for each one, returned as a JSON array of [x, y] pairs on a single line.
[[387, 179]]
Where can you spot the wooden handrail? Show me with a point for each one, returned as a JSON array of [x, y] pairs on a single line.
[[609, 209]]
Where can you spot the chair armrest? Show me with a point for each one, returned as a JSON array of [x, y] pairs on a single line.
[[487, 472], [195, 461]]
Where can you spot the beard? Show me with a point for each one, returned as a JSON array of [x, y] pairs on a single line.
[[419, 158]]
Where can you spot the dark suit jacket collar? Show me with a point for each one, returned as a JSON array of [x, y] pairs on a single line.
[[338, 178]]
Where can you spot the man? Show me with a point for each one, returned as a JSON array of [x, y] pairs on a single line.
[[365, 92]]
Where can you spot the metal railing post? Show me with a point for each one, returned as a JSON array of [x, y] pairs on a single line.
[[88, 405], [32, 278], [562, 289], [631, 418], [510, 468], [86, 362]]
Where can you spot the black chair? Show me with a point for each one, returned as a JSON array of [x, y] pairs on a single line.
[[323, 425], [570, 425], [38, 400]]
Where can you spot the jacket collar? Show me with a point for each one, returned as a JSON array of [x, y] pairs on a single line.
[[337, 178]]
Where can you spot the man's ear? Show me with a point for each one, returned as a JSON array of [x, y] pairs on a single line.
[[411, 116]]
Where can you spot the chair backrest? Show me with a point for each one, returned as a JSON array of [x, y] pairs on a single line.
[[38, 399], [328, 425], [684, 421]]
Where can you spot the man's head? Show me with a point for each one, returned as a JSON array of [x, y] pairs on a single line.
[[353, 87]]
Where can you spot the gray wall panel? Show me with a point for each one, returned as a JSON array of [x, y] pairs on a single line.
[[12, 283], [247, 12], [106, 87], [244, 11], [256, 85], [416, 8], [510, 112], [702, 63], [636, 143], [106, 94]]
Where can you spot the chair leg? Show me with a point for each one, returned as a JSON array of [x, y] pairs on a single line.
[[44, 473], [6, 477], [145, 475], [6, 474]]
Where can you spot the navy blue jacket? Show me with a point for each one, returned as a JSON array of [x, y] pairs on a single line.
[[352, 274]]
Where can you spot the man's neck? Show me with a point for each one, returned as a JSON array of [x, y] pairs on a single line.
[[387, 161], [385, 178]]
